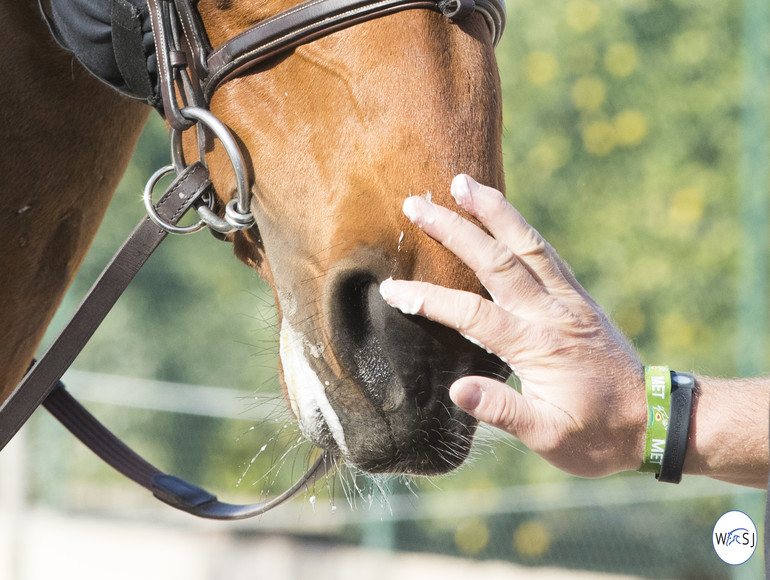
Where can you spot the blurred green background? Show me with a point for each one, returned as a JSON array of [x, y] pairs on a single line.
[[636, 143]]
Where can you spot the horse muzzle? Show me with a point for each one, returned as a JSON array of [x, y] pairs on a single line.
[[371, 383]]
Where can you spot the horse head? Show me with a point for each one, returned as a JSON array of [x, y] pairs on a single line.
[[337, 133]]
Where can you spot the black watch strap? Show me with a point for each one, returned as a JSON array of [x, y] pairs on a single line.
[[682, 387]]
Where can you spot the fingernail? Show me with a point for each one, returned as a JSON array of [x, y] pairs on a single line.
[[386, 288], [462, 187], [417, 209], [398, 295], [467, 396], [411, 208]]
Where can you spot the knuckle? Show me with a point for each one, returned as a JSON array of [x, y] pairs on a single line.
[[453, 219], [471, 308], [504, 415], [534, 244], [501, 260], [542, 343]]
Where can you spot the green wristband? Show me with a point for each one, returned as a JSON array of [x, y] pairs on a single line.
[[658, 383]]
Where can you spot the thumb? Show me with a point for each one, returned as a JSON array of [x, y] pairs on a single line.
[[492, 402]]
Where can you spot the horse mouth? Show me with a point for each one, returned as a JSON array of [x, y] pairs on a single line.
[[307, 395], [377, 395]]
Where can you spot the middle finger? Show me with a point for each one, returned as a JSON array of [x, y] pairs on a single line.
[[495, 265]]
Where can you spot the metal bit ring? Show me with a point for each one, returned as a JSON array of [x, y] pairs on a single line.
[[238, 215], [153, 214]]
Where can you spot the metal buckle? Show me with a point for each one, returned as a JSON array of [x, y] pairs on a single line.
[[457, 9]]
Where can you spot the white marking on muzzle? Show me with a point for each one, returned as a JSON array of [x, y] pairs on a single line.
[[307, 396]]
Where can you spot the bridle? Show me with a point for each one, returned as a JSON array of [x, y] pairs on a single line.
[[208, 69], [189, 73]]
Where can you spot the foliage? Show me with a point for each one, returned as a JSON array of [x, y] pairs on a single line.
[[622, 148]]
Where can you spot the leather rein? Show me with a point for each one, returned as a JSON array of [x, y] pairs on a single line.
[[189, 72]]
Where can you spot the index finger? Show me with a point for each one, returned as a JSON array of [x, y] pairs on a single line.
[[477, 319]]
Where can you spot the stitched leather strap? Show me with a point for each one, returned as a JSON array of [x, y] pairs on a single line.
[[188, 49], [299, 25], [170, 489], [146, 237], [314, 19]]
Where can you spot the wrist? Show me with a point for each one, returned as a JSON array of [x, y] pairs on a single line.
[[729, 431], [636, 421]]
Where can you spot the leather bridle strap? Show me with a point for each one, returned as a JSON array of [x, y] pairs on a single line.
[[146, 237], [316, 18], [182, 46], [170, 489], [42, 383]]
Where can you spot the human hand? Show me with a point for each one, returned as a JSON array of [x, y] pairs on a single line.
[[582, 404]]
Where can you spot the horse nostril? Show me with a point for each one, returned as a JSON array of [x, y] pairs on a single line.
[[388, 349], [359, 337], [351, 309]]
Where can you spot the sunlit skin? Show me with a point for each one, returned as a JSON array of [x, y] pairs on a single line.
[[582, 404]]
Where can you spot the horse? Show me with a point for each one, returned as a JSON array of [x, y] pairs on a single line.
[[336, 133]]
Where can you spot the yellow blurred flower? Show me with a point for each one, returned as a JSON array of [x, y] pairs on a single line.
[[630, 127], [599, 137], [620, 59], [687, 205], [532, 539], [582, 15], [541, 68], [588, 93], [472, 536]]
